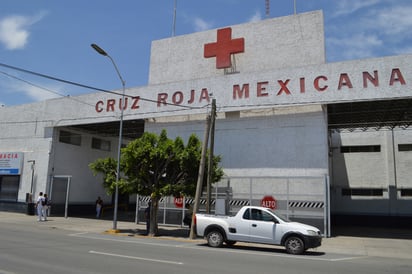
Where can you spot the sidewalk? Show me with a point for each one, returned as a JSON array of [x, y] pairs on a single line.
[[394, 243]]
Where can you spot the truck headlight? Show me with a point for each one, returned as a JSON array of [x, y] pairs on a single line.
[[312, 232]]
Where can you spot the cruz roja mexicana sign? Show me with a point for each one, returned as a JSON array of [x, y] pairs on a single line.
[[335, 82]]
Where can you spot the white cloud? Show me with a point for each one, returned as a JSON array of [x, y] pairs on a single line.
[[14, 30], [377, 28], [202, 25], [256, 17], [349, 6], [357, 46], [395, 21], [36, 92]]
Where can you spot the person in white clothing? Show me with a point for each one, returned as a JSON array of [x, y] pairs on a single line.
[[39, 206]]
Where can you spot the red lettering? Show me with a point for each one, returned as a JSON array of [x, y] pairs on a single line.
[[192, 97], [396, 76], [98, 106], [177, 98], [161, 99], [204, 95], [9, 156], [240, 92], [110, 105], [344, 81], [124, 105], [316, 83], [269, 204], [283, 87], [261, 88], [373, 79], [302, 85], [135, 104]]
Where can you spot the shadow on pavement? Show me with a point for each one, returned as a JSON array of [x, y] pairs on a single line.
[[267, 248], [372, 232]]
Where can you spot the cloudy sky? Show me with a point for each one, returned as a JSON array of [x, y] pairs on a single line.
[[53, 37]]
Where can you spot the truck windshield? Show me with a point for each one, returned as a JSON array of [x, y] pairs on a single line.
[[280, 216]]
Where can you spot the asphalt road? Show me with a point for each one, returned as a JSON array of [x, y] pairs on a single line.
[[44, 249]]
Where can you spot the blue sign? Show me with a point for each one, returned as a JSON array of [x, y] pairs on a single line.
[[11, 163], [9, 171]]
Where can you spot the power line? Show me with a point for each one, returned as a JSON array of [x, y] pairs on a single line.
[[91, 87], [43, 88]]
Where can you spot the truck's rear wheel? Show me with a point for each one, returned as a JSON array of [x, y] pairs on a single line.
[[214, 238], [294, 245]]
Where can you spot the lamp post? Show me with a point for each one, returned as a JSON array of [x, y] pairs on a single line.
[[116, 195], [33, 162]]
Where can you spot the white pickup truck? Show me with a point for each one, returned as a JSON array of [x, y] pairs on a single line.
[[257, 225]]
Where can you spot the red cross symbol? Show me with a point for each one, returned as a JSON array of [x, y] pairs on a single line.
[[224, 47]]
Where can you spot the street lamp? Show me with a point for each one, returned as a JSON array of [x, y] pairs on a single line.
[[116, 195], [33, 162]]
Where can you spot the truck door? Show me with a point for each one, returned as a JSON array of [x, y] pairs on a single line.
[[241, 232], [262, 227]]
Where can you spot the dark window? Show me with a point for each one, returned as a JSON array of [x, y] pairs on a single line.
[[354, 149], [407, 192], [246, 215], [405, 147], [68, 137], [362, 192], [100, 144], [9, 188]]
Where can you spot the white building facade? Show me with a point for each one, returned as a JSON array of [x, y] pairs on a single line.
[[278, 129]]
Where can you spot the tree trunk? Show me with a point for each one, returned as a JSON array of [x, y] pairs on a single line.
[[153, 216]]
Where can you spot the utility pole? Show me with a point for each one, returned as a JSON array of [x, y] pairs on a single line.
[[210, 166], [200, 177], [174, 20]]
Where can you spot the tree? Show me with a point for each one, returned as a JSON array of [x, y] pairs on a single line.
[[158, 166], [108, 167]]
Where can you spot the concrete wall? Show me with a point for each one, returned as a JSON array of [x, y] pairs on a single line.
[[34, 140], [388, 170], [270, 44], [292, 142], [67, 159], [54, 158]]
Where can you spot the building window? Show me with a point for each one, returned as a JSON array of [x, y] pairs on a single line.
[[68, 137], [354, 149], [362, 192], [405, 147], [406, 192], [100, 144], [9, 188]]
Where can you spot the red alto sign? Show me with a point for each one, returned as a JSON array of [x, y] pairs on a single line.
[[269, 202], [178, 202]]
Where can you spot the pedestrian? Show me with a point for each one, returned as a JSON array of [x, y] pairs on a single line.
[[39, 207], [147, 216], [99, 205], [45, 206]]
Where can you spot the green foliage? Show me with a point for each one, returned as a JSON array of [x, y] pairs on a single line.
[[107, 167], [154, 165], [158, 166]]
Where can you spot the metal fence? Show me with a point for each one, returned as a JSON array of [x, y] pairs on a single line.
[[302, 198]]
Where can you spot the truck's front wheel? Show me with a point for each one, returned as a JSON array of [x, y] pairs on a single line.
[[214, 238], [294, 245]]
